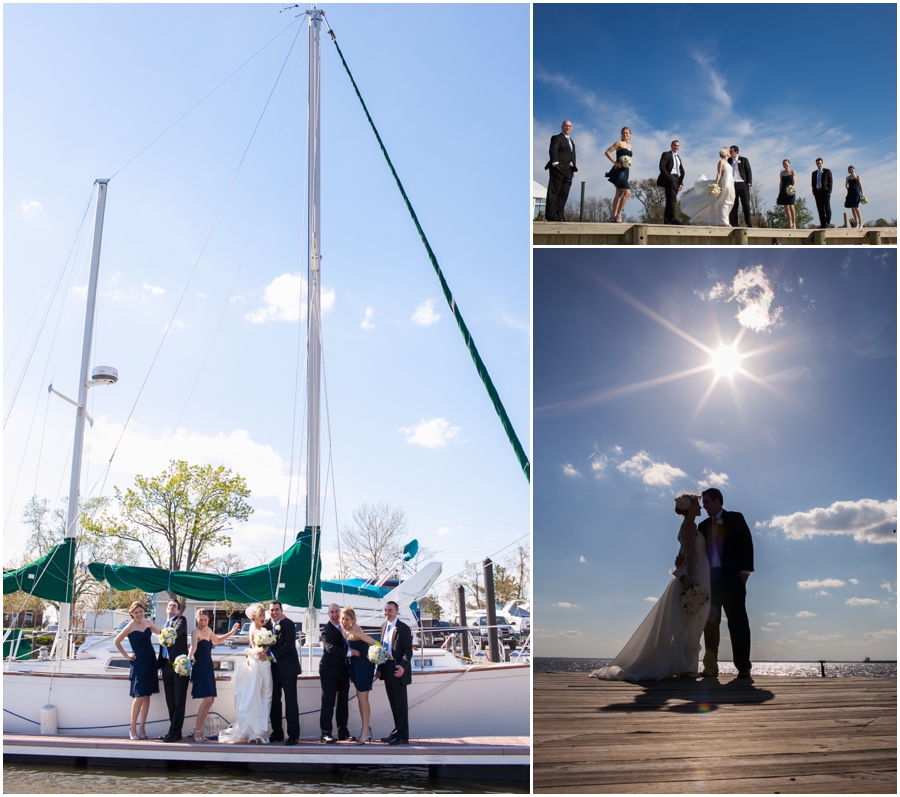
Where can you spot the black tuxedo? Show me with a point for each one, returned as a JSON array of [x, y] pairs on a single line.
[[401, 654], [334, 677], [174, 685], [727, 586], [741, 192], [562, 152], [671, 182], [823, 196], [285, 670]]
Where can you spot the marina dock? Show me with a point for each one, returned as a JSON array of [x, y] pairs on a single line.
[[485, 757], [776, 735], [551, 233]]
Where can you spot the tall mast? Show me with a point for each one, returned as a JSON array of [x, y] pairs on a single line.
[[81, 412], [314, 316]]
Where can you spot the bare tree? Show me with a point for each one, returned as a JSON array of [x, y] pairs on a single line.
[[225, 565], [376, 542], [652, 197]]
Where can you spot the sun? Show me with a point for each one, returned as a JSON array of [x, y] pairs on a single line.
[[725, 361]]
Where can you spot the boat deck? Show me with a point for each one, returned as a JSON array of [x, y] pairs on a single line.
[[778, 734], [505, 757]]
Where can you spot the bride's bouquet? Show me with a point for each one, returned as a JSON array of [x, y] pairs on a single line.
[[624, 162], [863, 200], [791, 190], [715, 189], [167, 637], [693, 600], [378, 654], [182, 665], [265, 638]]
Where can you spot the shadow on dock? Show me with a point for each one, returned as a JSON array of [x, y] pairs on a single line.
[[691, 697]]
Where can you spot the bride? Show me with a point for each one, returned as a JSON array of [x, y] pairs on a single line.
[[252, 689], [667, 642], [704, 208]]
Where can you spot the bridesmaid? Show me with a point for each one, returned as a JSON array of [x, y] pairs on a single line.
[[618, 174], [853, 184], [788, 177], [144, 679], [203, 675], [362, 671]]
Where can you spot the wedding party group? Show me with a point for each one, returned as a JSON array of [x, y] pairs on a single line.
[[709, 202], [714, 562], [268, 679]]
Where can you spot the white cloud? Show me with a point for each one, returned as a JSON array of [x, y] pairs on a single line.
[[285, 300], [817, 583], [80, 291], [854, 581], [153, 290], [753, 292], [201, 295], [773, 623], [617, 449], [785, 641], [569, 470], [887, 585], [824, 637], [766, 629], [31, 207], [885, 633], [651, 599], [176, 324], [863, 602], [867, 520], [366, 323], [564, 605], [435, 433], [582, 560], [655, 474], [424, 314], [443, 531], [713, 479], [598, 466], [806, 614], [822, 592]]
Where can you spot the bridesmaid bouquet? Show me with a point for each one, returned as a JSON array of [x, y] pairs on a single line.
[[378, 654], [625, 162], [167, 637], [790, 190], [265, 638], [182, 665], [715, 189], [863, 200], [694, 599]]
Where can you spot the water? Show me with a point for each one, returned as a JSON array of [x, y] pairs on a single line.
[[213, 779], [833, 669]]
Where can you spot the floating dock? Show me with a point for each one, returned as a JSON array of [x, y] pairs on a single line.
[[479, 757], [776, 735], [576, 233]]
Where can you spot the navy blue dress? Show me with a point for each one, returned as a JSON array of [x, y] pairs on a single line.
[[203, 677], [619, 177], [144, 680], [853, 193], [362, 671], [784, 198]]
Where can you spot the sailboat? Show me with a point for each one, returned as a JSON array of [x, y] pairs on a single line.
[[83, 694]]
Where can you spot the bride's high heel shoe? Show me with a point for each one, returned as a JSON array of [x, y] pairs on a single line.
[[364, 737]]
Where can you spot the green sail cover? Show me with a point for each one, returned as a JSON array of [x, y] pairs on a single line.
[[51, 577], [257, 584]]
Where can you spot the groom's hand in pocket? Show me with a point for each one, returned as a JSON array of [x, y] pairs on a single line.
[[679, 560]]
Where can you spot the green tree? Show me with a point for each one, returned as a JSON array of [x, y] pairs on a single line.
[[777, 218], [176, 518]]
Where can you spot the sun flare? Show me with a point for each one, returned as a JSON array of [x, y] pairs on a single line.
[[725, 361]]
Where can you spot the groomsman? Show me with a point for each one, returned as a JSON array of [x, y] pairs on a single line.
[[821, 188], [396, 672], [671, 178], [334, 678], [562, 167], [743, 179], [175, 685]]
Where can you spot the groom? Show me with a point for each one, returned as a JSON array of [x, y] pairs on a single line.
[[729, 547], [285, 670], [175, 685], [671, 178], [743, 179]]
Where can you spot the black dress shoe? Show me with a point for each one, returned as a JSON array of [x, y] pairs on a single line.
[[290, 741], [745, 675], [327, 738], [278, 738], [398, 740], [347, 738], [171, 738]]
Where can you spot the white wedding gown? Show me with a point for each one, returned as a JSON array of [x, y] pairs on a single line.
[[705, 209], [667, 642], [252, 702]]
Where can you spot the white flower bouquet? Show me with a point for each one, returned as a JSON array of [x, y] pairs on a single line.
[[167, 637], [863, 200], [624, 161], [715, 189], [378, 654], [265, 638], [182, 665], [791, 190], [693, 600]]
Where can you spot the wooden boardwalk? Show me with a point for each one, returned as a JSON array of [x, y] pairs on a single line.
[[550, 233], [778, 735]]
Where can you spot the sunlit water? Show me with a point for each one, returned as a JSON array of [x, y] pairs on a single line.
[[202, 779], [833, 669]]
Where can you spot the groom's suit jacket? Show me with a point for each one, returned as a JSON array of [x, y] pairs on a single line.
[[561, 152], [285, 648], [180, 646], [666, 162], [401, 650], [737, 542], [743, 169], [826, 181]]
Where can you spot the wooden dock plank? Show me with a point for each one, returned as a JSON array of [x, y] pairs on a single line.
[[778, 734]]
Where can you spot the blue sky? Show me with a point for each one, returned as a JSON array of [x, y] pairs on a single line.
[[796, 81], [87, 87], [801, 439]]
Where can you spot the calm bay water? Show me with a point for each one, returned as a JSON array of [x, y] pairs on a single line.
[[833, 669], [32, 779]]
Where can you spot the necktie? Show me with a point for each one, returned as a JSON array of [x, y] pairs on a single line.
[[387, 637]]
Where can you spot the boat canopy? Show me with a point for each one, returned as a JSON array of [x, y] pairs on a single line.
[[286, 578], [50, 577], [355, 586]]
